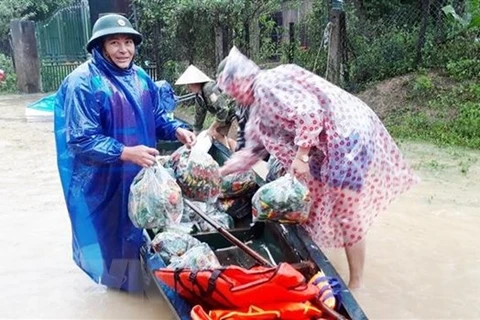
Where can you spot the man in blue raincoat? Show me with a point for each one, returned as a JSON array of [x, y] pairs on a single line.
[[167, 96], [108, 117]]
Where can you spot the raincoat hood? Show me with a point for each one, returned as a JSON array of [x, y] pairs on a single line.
[[238, 76]]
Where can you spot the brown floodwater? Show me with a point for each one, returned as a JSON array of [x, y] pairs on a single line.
[[423, 254]]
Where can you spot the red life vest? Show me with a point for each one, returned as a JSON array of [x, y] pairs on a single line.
[[284, 311], [234, 287]]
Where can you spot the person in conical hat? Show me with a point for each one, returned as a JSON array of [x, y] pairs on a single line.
[[209, 98]]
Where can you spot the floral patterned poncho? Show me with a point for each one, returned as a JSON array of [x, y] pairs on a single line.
[[356, 169]]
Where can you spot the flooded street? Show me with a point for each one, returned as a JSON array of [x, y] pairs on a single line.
[[423, 255]]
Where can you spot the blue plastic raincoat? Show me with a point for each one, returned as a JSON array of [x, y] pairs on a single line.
[[99, 110], [167, 95]]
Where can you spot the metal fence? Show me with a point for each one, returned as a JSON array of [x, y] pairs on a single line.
[[381, 39], [61, 43], [395, 42]]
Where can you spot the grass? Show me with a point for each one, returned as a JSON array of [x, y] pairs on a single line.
[[446, 116], [187, 113]]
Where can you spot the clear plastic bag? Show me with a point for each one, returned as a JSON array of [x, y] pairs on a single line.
[[169, 244], [285, 200], [155, 199], [275, 169], [237, 184], [200, 257], [183, 227], [222, 218], [189, 215], [197, 174]]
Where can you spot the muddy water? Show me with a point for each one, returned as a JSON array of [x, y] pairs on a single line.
[[423, 254]]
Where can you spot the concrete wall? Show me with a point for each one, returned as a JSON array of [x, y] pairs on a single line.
[[295, 15], [99, 7], [25, 55]]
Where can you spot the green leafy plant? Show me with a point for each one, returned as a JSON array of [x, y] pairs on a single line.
[[446, 117], [9, 85], [470, 19], [422, 84]]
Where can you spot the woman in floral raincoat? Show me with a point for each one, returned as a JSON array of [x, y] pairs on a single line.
[[328, 138]]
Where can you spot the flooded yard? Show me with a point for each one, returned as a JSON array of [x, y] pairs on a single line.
[[423, 254]]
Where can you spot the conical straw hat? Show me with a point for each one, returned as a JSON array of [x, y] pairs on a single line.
[[192, 75]]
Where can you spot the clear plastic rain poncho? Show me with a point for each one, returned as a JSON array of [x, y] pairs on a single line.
[[356, 168], [99, 110]]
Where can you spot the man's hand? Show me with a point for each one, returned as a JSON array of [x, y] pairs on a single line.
[[140, 155], [186, 137]]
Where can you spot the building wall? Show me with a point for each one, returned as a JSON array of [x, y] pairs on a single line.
[[99, 7], [295, 15]]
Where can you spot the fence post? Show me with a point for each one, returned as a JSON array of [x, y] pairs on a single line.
[[218, 44], [423, 30], [25, 55], [336, 45], [291, 49]]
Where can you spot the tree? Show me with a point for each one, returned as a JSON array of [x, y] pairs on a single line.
[[36, 10], [202, 31]]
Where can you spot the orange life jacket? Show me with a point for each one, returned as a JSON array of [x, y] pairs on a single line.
[[234, 287], [284, 311]]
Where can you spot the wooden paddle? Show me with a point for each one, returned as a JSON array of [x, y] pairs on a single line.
[[234, 240]]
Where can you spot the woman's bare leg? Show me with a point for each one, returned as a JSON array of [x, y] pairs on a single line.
[[356, 261]]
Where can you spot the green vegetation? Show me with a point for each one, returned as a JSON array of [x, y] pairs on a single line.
[[444, 107], [9, 85]]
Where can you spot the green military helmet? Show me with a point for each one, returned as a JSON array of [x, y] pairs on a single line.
[[112, 24]]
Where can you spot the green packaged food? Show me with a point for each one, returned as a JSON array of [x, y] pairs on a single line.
[[237, 184], [169, 244], [200, 257], [222, 218], [155, 199], [197, 174], [285, 200], [183, 227]]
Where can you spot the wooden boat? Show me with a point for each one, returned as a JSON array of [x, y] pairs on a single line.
[[275, 242]]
